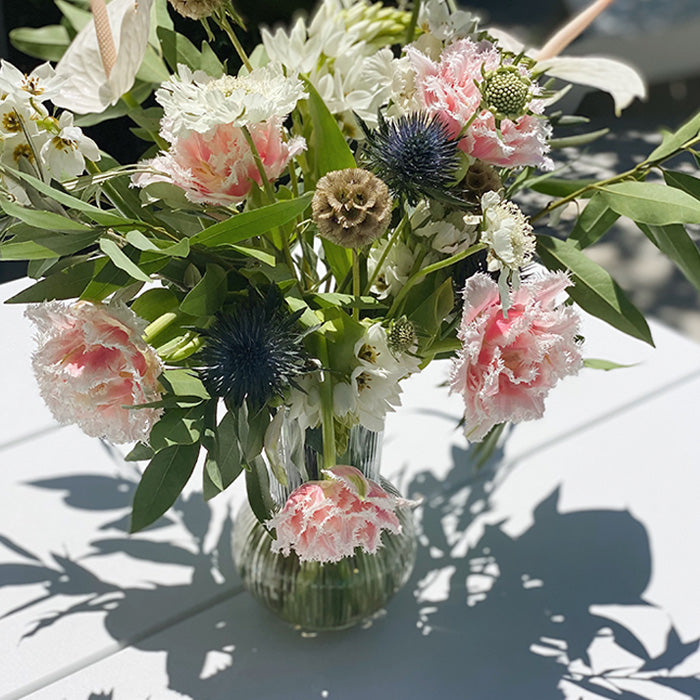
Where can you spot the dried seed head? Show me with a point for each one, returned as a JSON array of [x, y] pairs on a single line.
[[480, 179], [197, 9], [351, 207]]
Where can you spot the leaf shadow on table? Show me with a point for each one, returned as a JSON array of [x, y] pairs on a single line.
[[490, 615]]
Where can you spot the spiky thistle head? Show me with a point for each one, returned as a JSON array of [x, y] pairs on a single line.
[[254, 352], [415, 155]]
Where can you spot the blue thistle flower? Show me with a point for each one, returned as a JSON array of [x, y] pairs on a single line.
[[253, 353], [414, 154]]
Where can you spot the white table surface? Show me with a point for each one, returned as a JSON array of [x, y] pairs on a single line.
[[568, 568]]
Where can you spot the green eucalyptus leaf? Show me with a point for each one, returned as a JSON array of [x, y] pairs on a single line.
[[178, 49], [594, 222], [208, 294], [46, 220], [224, 460], [649, 203], [140, 453], [68, 283], [76, 17], [260, 255], [162, 483], [605, 365], [121, 260], [46, 245], [675, 242], [241, 227], [674, 141], [594, 289], [338, 258], [578, 140], [558, 187], [683, 181]]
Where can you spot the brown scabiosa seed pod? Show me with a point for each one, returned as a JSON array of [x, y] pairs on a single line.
[[351, 207], [480, 179], [197, 9]]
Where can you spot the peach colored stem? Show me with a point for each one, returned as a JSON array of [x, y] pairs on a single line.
[[105, 38], [561, 39]]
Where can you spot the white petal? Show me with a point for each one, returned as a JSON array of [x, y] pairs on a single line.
[[87, 88], [614, 77]]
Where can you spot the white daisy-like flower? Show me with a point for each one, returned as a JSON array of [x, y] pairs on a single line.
[[510, 240], [452, 232], [375, 380], [394, 271], [41, 84], [64, 154], [197, 102]]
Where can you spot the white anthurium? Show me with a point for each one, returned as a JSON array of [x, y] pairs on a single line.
[[90, 87], [614, 77]]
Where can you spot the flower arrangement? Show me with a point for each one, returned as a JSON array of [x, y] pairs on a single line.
[[309, 226]]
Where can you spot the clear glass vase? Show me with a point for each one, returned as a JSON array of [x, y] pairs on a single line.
[[330, 596]]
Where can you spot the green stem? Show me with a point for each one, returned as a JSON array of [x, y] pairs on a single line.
[[327, 426], [355, 283], [411, 30], [225, 25], [259, 164], [385, 253], [640, 170], [429, 269]]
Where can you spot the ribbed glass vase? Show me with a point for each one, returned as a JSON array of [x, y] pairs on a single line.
[[330, 596]]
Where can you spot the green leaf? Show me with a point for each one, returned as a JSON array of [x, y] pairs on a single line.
[[683, 181], [339, 259], [260, 255], [178, 49], [208, 294], [675, 242], [210, 62], [120, 259], [224, 462], [183, 382], [153, 303], [68, 283], [46, 245], [673, 141], [649, 203], [595, 220], [430, 313], [594, 289], [605, 365], [152, 68], [76, 17], [46, 220], [140, 453], [558, 187], [100, 216], [241, 227], [257, 482], [162, 483], [178, 426], [46, 43], [578, 140], [326, 299], [328, 144]]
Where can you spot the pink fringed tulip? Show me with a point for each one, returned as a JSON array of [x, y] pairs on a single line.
[[450, 89], [508, 365], [326, 520], [91, 362], [218, 167]]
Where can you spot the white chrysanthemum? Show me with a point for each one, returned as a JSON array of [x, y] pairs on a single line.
[[196, 102], [394, 271], [375, 380], [63, 154]]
